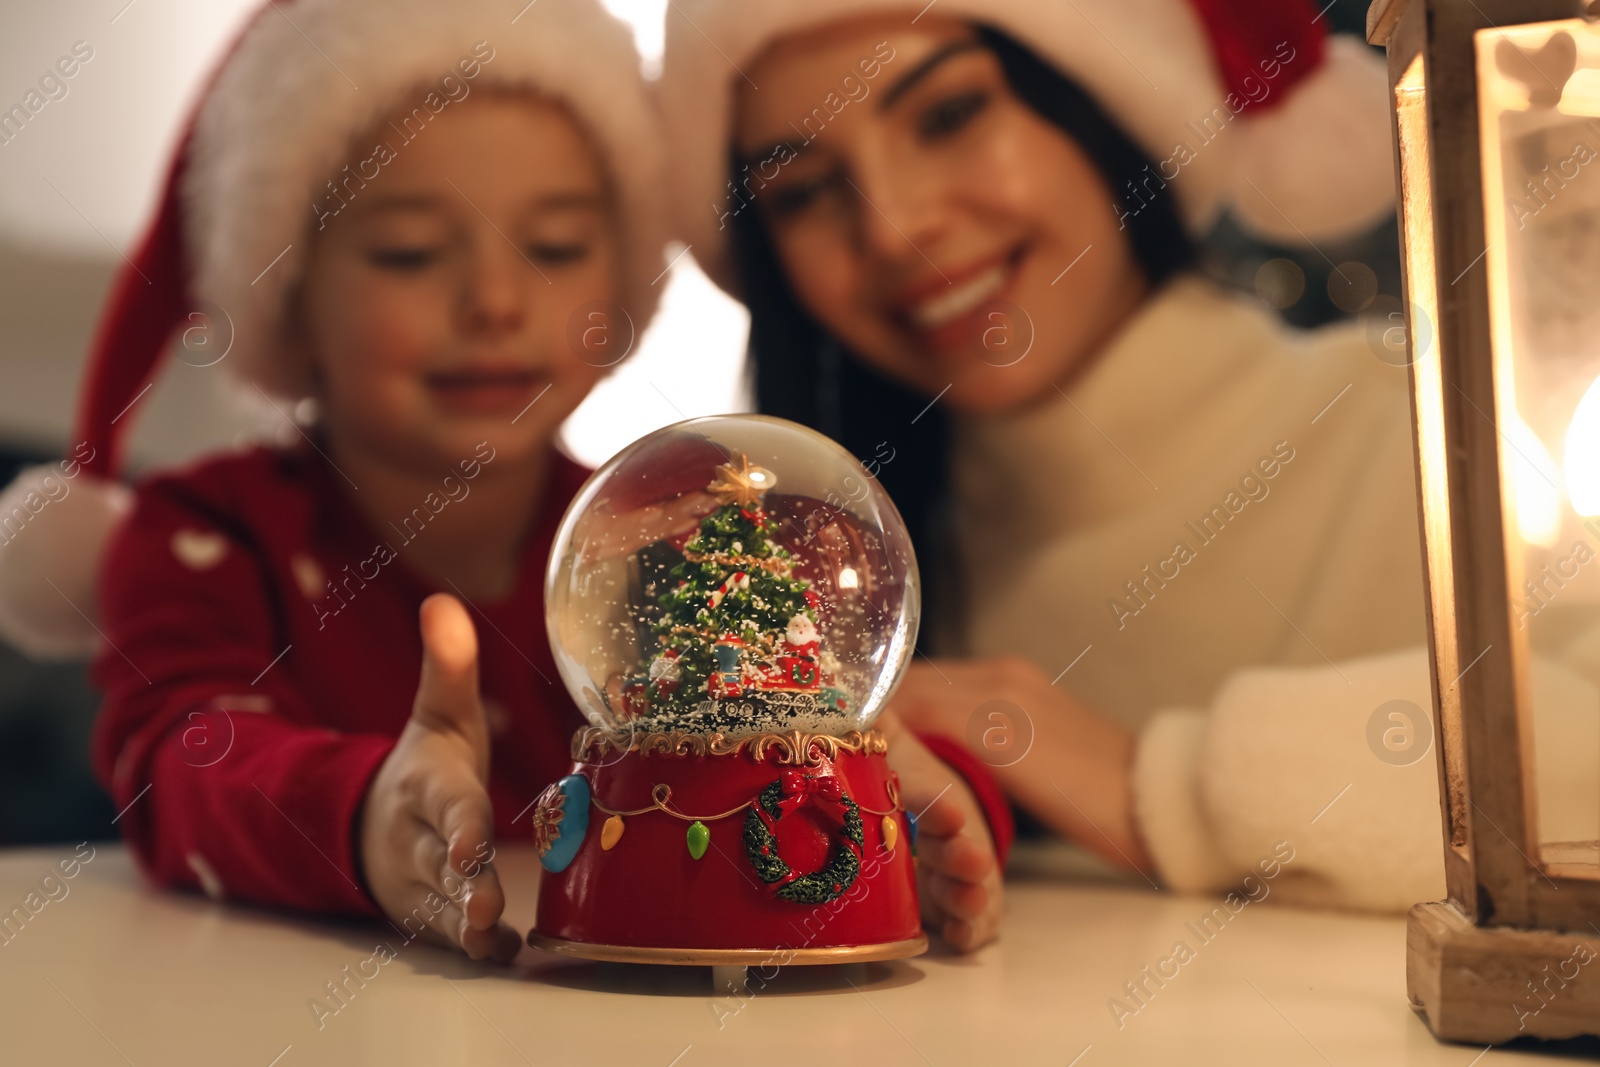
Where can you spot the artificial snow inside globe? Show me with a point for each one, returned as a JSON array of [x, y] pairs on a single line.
[[731, 601]]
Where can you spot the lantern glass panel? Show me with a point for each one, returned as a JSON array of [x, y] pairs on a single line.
[[1539, 114], [1417, 212]]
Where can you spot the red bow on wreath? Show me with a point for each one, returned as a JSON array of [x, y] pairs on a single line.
[[827, 791]]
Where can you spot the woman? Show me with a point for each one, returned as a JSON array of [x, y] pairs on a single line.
[[1174, 542]]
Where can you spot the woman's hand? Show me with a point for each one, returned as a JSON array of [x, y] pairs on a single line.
[[1074, 770], [958, 879], [426, 826]]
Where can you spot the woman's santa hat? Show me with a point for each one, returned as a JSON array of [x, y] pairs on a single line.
[[1308, 156], [241, 199]]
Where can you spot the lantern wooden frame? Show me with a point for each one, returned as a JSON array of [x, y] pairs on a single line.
[[1494, 961]]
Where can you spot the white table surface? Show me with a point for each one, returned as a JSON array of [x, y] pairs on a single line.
[[117, 973]]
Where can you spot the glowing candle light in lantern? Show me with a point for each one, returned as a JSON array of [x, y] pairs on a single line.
[[1535, 485]]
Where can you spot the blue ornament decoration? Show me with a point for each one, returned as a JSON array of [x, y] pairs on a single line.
[[911, 827], [564, 812]]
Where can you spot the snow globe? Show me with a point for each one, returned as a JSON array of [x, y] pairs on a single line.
[[731, 601]]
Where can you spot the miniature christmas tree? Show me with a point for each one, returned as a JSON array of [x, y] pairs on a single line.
[[738, 625]]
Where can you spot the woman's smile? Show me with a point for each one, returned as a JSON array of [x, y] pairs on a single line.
[[947, 316]]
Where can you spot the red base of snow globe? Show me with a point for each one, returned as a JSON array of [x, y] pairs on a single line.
[[781, 848]]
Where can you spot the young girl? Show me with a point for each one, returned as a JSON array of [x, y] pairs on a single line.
[[402, 209], [1181, 541]]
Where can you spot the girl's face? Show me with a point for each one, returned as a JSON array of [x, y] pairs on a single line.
[[436, 303], [928, 218]]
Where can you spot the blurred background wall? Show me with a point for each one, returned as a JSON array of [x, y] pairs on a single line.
[[76, 186]]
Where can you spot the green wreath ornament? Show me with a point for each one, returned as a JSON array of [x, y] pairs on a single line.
[[790, 791]]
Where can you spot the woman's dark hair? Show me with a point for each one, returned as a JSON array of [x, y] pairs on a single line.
[[800, 372]]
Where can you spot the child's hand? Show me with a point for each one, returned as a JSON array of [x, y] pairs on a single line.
[[426, 823], [958, 879]]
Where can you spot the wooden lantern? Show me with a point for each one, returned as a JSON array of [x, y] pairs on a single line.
[[1496, 121]]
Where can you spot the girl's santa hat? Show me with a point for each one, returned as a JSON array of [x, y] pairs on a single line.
[[1299, 154], [245, 190]]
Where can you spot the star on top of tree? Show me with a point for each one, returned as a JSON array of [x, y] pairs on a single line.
[[741, 484]]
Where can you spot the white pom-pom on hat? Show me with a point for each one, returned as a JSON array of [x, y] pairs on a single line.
[[1322, 164], [52, 530]]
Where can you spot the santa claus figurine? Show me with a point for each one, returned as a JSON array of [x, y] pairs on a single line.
[[797, 662]]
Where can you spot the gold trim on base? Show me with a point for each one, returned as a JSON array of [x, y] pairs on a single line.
[[723, 957], [792, 748]]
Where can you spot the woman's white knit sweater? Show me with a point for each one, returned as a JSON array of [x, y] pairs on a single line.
[[1211, 535]]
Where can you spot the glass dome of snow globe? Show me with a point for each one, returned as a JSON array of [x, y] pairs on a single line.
[[733, 575]]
